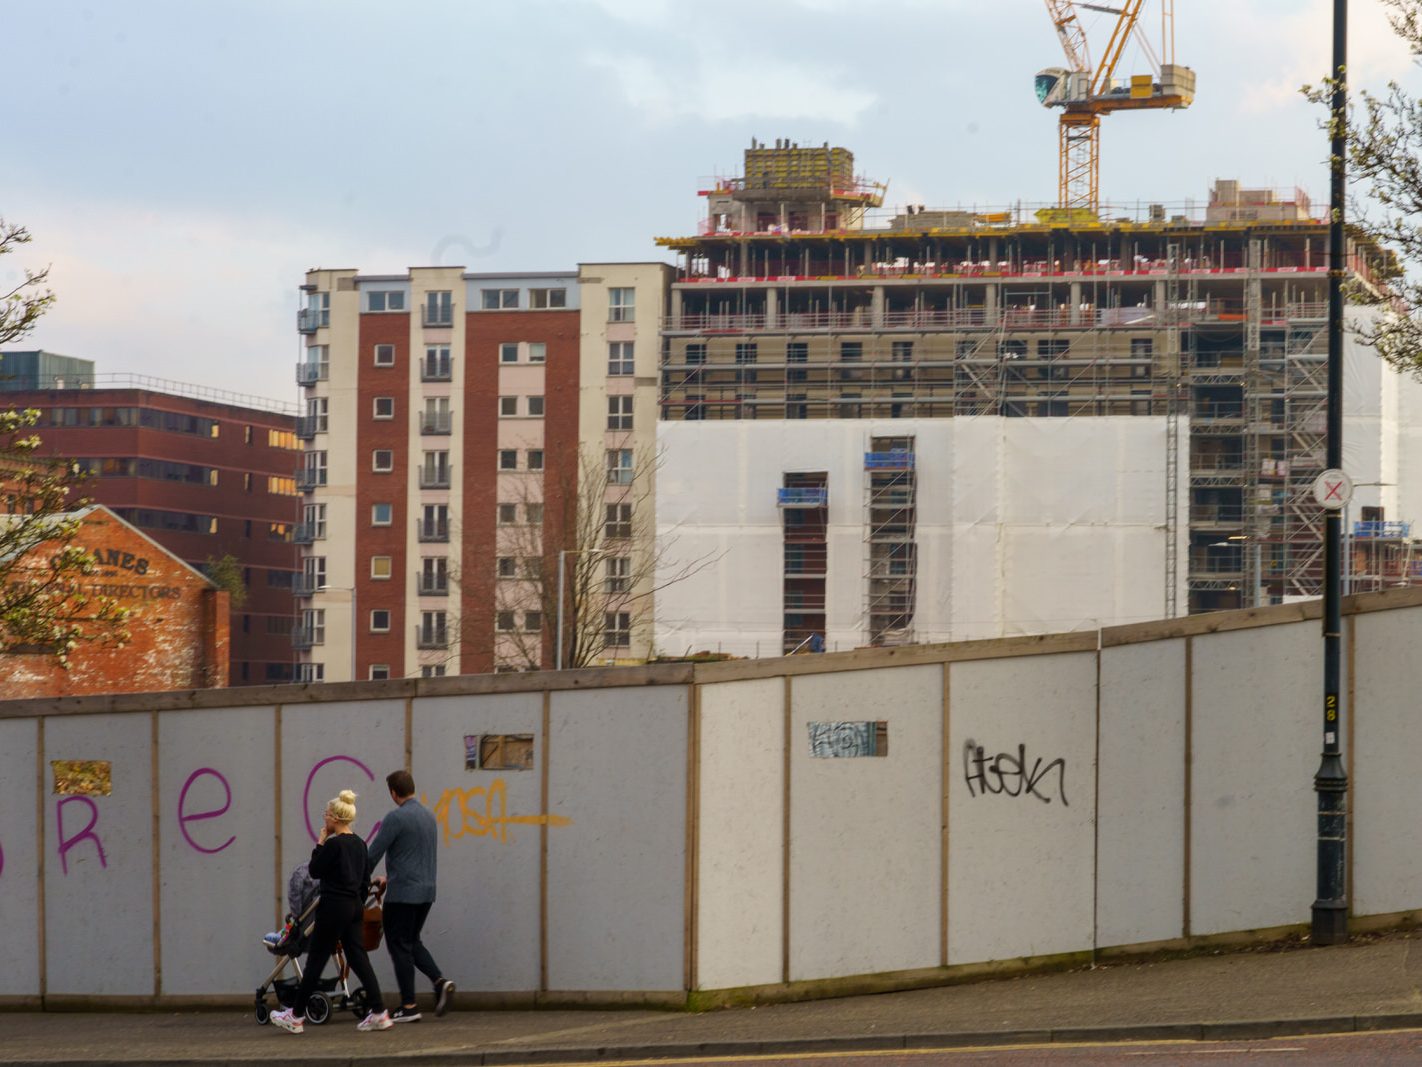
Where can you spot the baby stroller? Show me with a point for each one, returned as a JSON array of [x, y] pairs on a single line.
[[291, 942]]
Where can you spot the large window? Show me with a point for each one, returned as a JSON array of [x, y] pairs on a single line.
[[315, 521], [618, 570], [619, 413], [439, 309], [498, 299], [619, 359], [621, 304], [548, 298], [619, 466], [385, 300], [618, 525], [617, 629]]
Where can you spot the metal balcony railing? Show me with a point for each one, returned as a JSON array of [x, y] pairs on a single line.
[[308, 426], [432, 532], [307, 480], [306, 585], [311, 373], [435, 423], [436, 370], [431, 637], [434, 586], [309, 320], [303, 638], [435, 478], [437, 316], [303, 533]]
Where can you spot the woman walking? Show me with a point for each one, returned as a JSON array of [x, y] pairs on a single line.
[[339, 862]]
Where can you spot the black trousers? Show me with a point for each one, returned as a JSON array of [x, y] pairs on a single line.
[[338, 919], [403, 923]]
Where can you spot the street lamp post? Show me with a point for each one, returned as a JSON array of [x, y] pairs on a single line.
[[1330, 909]]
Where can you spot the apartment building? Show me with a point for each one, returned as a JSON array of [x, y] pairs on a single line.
[[796, 301], [205, 472], [445, 476]]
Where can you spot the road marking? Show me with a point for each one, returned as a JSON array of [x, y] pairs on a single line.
[[1218, 1051]]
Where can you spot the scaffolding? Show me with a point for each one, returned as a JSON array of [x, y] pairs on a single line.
[[891, 552]]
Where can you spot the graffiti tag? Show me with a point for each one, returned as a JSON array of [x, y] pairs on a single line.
[[483, 812], [1008, 774]]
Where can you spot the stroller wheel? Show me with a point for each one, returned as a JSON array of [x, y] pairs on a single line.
[[318, 1008], [263, 1013], [359, 1003]]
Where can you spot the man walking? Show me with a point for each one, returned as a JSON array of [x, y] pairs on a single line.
[[407, 840]]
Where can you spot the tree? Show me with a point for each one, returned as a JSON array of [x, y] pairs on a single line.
[[226, 572], [1384, 146], [43, 606]]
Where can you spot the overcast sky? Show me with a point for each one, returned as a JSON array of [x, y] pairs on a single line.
[[182, 163]]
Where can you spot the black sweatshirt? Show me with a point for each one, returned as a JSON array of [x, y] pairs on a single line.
[[340, 866]]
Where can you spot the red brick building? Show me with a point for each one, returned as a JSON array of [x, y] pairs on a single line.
[[205, 474], [178, 623]]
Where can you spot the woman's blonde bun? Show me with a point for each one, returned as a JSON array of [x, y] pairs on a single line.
[[343, 808]]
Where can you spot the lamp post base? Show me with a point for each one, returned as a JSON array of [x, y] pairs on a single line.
[[1330, 922]]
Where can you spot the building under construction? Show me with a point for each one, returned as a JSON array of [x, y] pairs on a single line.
[[795, 301]]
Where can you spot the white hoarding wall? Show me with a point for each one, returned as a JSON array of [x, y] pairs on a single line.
[[661, 832], [1023, 526]]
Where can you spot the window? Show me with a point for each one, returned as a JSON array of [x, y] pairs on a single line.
[[508, 459], [508, 514], [313, 469], [535, 406], [379, 672], [385, 300], [384, 407], [311, 672], [275, 439], [619, 466], [315, 368], [382, 460], [437, 366], [548, 298], [439, 309], [315, 519], [380, 621], [508, 352], [381, 514], [507, 568], [533, 514], [535, 459], [278, 486], [617, 629], [617, 570], [313, 572], [621, 305], [435, 419], [619, 413], [533, 568], [901, 351], [318, 308], [508, 406], [432, 671], [851, 351], [385, 355], [433, 631], [537, 352], [434, 470], [619, 521], [504, 621], [380, 567], [317, 409], [746, 352], [434, 523], [498, 299], [1142, 347], [532, 621], [434, 576], [696, 354], [313, 622], [619, 359]]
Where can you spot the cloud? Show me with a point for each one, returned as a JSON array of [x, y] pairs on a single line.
[[717, 88]]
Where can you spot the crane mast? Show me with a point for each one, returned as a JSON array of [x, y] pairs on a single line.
[[1085, 91]]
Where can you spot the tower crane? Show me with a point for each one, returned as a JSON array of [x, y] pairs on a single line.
[[1085, 90]]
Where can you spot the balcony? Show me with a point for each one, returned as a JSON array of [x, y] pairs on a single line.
[[435, 477], [304, 638], [309, 320], [311, 373], [802, 497], [307, 585], [308, 480], [435, 423], [432, 532], [431, 637], [308, 426], [305, 532], [441, 315], [434, 586], [436, 370]]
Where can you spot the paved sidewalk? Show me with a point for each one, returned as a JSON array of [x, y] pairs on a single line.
[[1370, 984]]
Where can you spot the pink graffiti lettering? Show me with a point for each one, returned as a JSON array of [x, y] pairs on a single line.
[[66, 843], [185, 817], [2, 860], [306, 793]]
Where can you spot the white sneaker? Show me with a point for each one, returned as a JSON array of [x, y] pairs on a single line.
[[287, 1020], [375, 1021]]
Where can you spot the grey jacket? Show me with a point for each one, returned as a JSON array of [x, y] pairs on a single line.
[[408, 838]]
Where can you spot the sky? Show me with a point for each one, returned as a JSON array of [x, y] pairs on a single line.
[[182, 163]]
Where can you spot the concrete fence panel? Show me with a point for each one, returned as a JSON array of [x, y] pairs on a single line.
[[1140, 867], [741, 840], [20, 801], [617, 885], [216, 818], [1256, 722], [865, 833], [1021, 806], [485, 927]]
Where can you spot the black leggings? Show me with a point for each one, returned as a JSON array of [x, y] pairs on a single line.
[[338, 919]]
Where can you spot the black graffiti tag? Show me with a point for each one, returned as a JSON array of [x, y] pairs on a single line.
[[1008, 774]]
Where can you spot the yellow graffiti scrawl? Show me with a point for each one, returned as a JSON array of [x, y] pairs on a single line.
[[483, 812]]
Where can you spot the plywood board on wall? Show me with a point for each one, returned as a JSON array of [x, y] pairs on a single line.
[[484, 926], [617, 871], [99, 860], [741, 839], [865, 832], [217, 780], [1141, 803], [19, 859], [1022, 766]]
